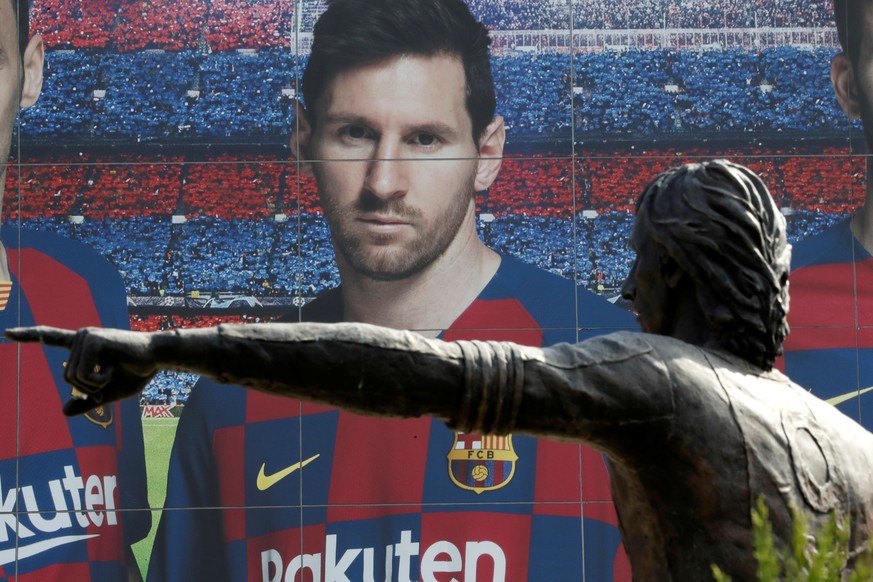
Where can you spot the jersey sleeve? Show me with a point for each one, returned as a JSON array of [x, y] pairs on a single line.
[[189, 540], [133, 485]]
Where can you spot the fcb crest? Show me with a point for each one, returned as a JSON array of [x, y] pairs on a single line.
[[481, 463], [101, 416]]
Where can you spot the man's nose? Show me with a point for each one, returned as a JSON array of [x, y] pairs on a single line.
[[629, 289], [387, 173]]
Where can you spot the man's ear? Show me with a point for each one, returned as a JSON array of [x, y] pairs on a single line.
[[301, 137], [845, 88], [34, 57], [490, 153], [671, 272]]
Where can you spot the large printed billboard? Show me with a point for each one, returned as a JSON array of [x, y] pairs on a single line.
[[163, 179]]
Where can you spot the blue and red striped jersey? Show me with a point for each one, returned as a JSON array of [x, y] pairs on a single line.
[[289, 490], [830, 347], [73, 490]]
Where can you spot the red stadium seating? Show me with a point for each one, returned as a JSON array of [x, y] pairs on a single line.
[[234, 24], [164, 24], [75, 23], [257, 187]]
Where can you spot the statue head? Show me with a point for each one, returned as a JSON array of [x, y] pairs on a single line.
[[717, 221]]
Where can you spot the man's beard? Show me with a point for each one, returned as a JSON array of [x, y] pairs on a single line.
[[393, 262]]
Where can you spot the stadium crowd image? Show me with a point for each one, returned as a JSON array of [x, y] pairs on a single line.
[[175, 168]]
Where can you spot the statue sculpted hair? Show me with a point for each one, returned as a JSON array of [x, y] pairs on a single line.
[[718, 221]]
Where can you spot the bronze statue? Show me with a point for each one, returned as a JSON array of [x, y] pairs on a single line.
[[693, 418]]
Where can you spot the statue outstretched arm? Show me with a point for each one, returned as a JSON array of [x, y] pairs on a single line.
[[483, 387], [359, 367]]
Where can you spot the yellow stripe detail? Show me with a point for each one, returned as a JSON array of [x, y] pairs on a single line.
[[844, 397], [5, 292]]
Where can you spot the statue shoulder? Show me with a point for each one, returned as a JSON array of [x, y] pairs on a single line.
[[612, 348]]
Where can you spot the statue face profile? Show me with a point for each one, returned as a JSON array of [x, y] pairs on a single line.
[[645, 286]]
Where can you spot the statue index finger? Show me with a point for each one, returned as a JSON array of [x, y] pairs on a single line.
[[50, 336]]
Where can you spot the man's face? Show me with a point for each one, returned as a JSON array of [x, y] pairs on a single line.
[[645, 286], [853, 82], [20, 79], [395, 164], [10, 80], [864, 75]]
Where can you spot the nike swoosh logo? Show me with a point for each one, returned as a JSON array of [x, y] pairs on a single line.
[[28, 551], [848, 396], [266, 481]]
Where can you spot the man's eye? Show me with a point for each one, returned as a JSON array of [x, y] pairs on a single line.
[[426, 139], [356, 132]]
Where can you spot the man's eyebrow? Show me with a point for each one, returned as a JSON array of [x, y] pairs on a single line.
[[434, 127], [348, 118], [437, 128]]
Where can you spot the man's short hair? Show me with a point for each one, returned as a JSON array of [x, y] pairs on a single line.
[[849, 19], [22, 16], [352, 33], [718, 221]]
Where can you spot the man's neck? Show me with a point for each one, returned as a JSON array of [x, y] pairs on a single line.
[[862, 224], [427, 302], [4, 260], [4, 265]]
